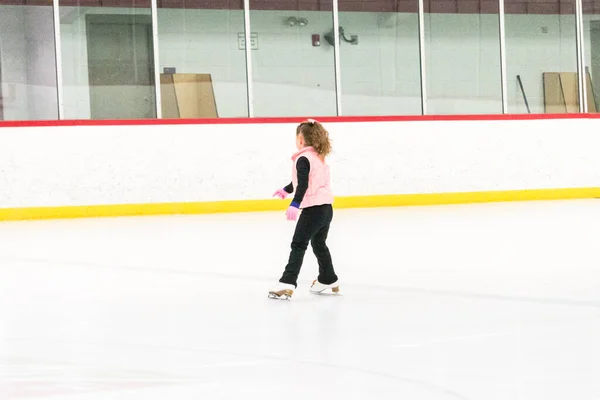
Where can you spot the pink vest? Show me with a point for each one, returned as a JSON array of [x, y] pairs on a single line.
[[319, 179]]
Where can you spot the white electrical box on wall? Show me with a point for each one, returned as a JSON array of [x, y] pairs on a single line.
[[253, 41]]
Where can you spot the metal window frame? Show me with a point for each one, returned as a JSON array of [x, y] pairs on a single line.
[[580, 42], [59, 68], [580, 53], [503, 77], [248, 52], [337, 58], [155, 45], [58, 60], [157, 94], [422, 58], [502, 43]]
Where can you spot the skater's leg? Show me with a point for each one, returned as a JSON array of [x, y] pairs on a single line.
[[306, 227], [327, 274]]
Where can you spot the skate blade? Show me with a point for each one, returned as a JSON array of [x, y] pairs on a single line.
[[334, 292], [283, 295]]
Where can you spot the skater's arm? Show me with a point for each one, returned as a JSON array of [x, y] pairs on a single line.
[[289, 188], [303, 168]]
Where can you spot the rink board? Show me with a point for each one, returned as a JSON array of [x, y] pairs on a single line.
[[71, 169], [122, 210]]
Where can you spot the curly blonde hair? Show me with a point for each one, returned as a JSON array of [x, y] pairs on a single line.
[[315, 135]]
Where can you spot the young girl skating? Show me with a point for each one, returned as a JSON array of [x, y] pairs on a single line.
[[311, 181]]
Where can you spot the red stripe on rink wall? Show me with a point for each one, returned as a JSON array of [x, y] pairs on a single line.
[[294, 120]]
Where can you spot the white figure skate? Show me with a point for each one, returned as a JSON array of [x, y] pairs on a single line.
[[318, 288], [282, 291]]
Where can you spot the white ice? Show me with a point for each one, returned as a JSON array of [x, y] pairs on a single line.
[[469, 302]]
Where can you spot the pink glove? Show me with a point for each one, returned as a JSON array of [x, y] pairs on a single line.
[[292, 213], [282, 194]]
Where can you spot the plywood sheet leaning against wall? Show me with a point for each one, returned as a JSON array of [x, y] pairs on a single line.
[[591, 96], [570, 87], [554, 100], [561, 93], [188, 96], [168, 97]]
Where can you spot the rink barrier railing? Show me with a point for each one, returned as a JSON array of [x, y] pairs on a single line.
[[243, 206]]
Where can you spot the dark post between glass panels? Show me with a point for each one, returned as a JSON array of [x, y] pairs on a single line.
[[27, 62], [107, 59]]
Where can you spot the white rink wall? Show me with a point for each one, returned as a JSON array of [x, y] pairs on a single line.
[[94, 165]]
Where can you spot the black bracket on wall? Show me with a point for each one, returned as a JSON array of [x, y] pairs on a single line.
[[330, 37]]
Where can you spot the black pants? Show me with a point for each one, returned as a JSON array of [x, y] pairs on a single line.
[[313, 225]]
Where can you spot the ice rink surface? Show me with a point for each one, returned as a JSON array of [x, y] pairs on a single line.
[[469, 302]]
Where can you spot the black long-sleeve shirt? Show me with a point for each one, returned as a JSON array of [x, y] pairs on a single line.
[[303, 168]]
